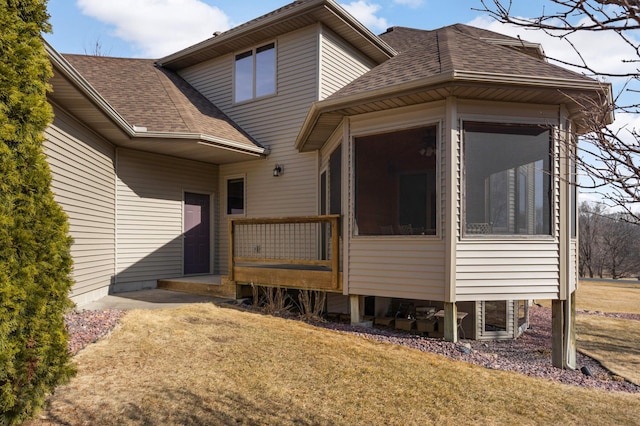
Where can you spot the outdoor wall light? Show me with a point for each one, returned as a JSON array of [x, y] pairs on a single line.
[[278, 170]]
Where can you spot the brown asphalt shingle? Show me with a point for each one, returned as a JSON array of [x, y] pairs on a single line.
[[155, 98], [454, 48]]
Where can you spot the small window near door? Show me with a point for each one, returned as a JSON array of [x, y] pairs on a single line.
[[235, 196]]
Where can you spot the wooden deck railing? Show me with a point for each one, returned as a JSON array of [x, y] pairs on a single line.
[[290, 252]]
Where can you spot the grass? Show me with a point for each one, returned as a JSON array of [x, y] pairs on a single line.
[[614, 342], [203, 364], [609, 297]]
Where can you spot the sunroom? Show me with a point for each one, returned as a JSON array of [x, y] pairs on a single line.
[[456, 182], [438, 216]]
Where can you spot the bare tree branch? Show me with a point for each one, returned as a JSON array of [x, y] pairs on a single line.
[[609, 158]]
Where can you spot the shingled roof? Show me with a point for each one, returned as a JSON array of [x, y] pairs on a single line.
[[458, 60], [156, 98], [451, 49]]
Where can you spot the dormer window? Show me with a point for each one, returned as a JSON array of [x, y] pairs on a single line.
[[255, 73]]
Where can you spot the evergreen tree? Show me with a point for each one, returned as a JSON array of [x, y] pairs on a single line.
[[35, 260]]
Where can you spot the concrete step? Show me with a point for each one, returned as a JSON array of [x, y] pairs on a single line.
[[214, 286]]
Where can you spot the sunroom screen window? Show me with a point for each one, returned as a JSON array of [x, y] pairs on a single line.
[[255, 73], [395, 179], [507, 179]]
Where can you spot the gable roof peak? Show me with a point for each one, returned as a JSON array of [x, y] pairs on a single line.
[[295, 15]]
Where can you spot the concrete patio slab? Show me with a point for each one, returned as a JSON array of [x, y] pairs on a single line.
[[148, 299]]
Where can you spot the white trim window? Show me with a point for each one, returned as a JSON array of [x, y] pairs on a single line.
[[255, 73]]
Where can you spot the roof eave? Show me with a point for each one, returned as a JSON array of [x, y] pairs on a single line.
[[330, 105], [529, 80], [60, 63], [560, 84], [133, 132]]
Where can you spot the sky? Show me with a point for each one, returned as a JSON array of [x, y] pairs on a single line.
[[156, 28]]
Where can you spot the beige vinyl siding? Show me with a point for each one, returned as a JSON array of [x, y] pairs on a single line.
[[507, 270], [84, 185], [150, 194], [273, 121], [411, 268], [340, 64]]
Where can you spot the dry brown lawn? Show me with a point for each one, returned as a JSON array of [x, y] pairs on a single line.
[[203, 364], [609, 297], [614, 342]]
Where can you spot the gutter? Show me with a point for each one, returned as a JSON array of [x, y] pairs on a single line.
[[531, 81], [203, 139]]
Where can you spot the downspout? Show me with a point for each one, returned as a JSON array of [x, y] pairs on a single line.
[[567, 296]]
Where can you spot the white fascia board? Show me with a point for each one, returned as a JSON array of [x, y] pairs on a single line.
[[206, 140]]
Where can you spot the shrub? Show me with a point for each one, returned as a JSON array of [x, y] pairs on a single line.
[[312, 304], [35, 260]]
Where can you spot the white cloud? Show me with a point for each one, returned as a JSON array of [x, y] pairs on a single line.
[[410, 3], [365, 12], [603, 51], [624, 125], [158, 27]]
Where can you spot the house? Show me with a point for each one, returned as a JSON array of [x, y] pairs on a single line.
[[300, 150]]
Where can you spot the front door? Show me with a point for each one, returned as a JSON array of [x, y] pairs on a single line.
[[197, 234]]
